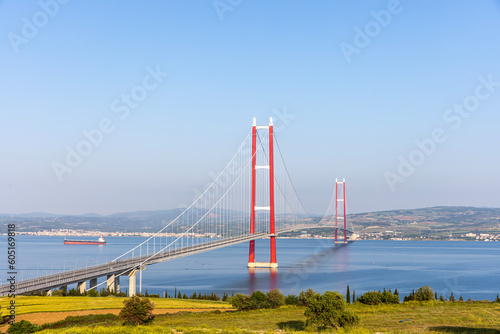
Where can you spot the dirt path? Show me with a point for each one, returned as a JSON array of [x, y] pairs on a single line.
[[46, 317]]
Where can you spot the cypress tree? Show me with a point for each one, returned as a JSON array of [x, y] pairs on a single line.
[[348, 295], [179, 295], [353, 296], [175, 293]]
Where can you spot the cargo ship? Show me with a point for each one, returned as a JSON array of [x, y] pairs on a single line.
[[100, 241]]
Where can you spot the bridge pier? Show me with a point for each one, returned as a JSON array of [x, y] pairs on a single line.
[[263, 265], [132, 284], [93, 284], [81, 287], [113, 283]]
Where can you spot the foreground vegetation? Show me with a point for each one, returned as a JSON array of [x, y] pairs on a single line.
[[411, 317]]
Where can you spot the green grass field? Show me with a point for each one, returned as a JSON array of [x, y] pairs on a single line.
[[414, 317], [26, 304]]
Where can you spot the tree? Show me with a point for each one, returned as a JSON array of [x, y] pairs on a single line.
[[353, 296], [389, 298], [424, 293], [498, 299], [329, 309], [57, 293], [452, 297], [260, 299], [377, 297], [304, 296], [291, 299], [179, 295], [348, 295], [441, 298], [371, 298], [137, 311], [93, 293], [22, 327], [275, 298], [243, 302], [460, 299]]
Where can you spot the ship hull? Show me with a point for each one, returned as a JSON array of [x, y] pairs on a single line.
[[83, 242]]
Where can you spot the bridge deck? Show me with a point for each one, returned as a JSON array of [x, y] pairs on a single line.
[[123, 267]]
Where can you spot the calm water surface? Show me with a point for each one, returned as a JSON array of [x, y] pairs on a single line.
[[468, 269]]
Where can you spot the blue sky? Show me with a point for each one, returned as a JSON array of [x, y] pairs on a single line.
[[356, 115]]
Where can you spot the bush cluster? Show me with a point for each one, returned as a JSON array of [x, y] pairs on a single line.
[[199, 295], [329, 309], [300, 300], [23, 327], [257, 300], [377, 297], [423, 294], [137, 311]]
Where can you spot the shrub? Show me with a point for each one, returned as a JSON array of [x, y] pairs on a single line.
[[275, 298], [389, 298], [291, 299], [22, 327], [329, 310], [93, 293], [377, 297], [260, 299], [243, 302], [424, 293], [137, 311], [371, 298], [304, 297], [57, 293]]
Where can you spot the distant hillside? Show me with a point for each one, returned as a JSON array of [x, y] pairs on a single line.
[[436, 220], [442, 220]]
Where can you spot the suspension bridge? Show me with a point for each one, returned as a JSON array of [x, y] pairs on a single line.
[[252, 198]]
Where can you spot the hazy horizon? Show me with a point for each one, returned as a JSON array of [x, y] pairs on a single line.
[[313, 214]]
